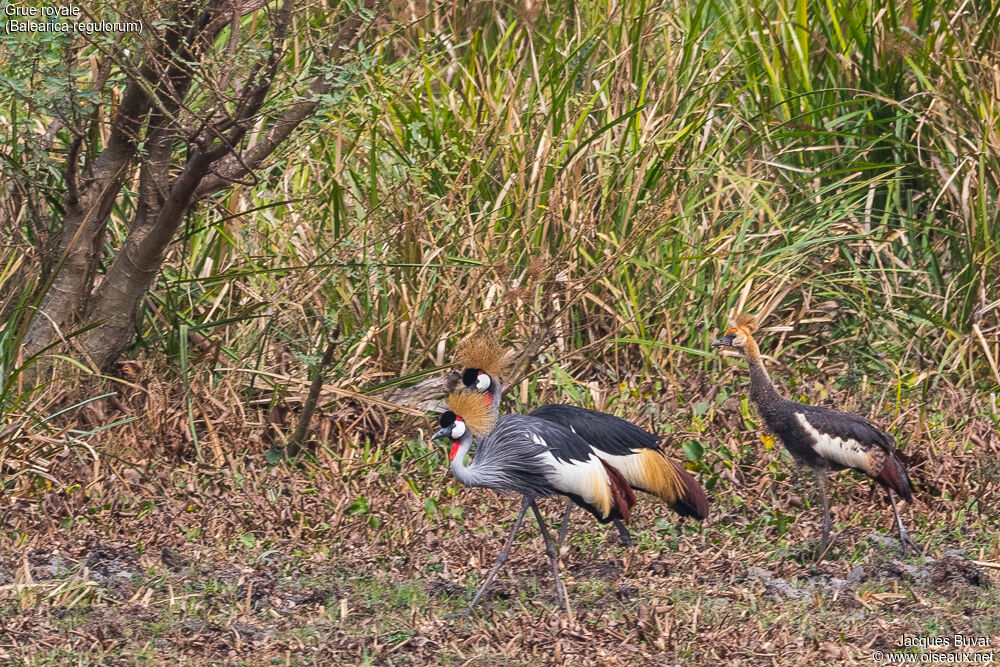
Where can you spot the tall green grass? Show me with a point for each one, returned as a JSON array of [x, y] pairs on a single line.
[[610, 180], [36, 427], [635, 171]]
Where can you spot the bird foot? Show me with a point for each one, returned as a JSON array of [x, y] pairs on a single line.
[[905, 541], [811, 551], [462, 614], [822, 549], [627, 563]]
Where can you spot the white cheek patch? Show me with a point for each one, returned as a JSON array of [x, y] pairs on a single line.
[[482, 382], [845, 451], [458, 430]]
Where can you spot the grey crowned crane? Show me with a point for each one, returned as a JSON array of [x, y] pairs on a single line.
[[534, 458], [633, 451], [821, 438]]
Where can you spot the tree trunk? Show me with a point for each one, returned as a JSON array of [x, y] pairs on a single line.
[[131, 274], [156, 112], [87, 204]]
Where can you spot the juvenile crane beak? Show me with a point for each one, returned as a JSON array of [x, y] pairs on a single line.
[[725, 341], [442, 433]]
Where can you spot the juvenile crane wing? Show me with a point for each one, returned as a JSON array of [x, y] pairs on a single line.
[[846, 426], [856, 442], [844, 439]]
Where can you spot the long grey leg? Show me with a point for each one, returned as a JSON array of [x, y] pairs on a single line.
[[623, 533], [821, 477], [526, 502], [565, 523], [904, 536], [553, 552]]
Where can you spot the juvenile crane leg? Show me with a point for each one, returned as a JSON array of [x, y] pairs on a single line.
[[553, 552], [565, 524], [505, 552], [821, 477], [904, 536]]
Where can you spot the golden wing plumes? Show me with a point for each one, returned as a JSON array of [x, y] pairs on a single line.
[[483, 351], [748, 322], [474, 411]]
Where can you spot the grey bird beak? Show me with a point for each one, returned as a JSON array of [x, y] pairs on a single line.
[[725, 341], [443, 433]]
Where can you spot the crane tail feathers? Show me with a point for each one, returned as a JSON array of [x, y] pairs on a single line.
[[893, 476], [668, 480], [622, 495], [693, 502]]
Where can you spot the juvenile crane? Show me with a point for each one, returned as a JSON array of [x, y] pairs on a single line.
[[633, 451], [821, 438], [535, 458]]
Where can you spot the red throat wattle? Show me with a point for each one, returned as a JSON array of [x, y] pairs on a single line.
[[487, 398], [454, 449]]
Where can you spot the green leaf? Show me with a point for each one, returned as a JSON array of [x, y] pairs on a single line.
[[693, 450], [359, 506], [430, 507]]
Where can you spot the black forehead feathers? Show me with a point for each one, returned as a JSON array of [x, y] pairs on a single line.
[[470, 376], [446, 419]]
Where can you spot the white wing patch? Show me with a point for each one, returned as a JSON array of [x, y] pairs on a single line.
[[845, 451], [539, 440], [587, 479], [628, 465]]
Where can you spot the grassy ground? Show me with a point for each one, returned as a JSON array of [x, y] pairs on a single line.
[[360, 559]]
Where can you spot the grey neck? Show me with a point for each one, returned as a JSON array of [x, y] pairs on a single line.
[[462, 473], [762, 391]]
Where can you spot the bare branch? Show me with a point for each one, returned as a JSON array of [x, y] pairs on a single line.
[[72, 198], [236, 166]]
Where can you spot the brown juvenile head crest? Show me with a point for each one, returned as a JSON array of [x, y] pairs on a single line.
[[483, 351], [748, 322], [474, 411]]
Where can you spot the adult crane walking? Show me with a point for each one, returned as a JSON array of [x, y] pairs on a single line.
[[633, 451], [535, 458], [821, 438]]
